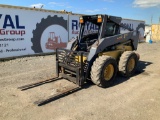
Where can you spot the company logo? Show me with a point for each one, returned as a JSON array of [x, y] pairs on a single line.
[[75, 26], [89, 27], [11, 25], [127, 25], [50, 34]]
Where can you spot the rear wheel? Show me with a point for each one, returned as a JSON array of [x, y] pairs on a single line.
[[104, 71], [127, 63]]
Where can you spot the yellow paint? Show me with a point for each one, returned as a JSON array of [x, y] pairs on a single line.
[[131, 64], [116, 53], [128, 48], [124, 47], [78, 58], [108, 72]]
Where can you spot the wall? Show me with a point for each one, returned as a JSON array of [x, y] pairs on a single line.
[[29, 31], [135, 25], [155, 32]]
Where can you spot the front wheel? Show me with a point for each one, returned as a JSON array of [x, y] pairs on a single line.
[[104, 71]]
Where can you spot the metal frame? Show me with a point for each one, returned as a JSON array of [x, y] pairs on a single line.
[[67, 65]]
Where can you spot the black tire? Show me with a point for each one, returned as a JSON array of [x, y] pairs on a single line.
[[40, 27], [127, 63], [98, 69]]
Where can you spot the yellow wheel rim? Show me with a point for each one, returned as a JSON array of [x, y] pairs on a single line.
[[131, 64], [108, 72]]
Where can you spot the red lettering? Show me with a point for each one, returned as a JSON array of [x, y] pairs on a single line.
[[12, 32]]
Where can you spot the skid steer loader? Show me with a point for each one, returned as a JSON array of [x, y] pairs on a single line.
[[98, 55]]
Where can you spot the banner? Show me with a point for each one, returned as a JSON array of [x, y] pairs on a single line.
[[134, 25], [26, 32], [74, 26]]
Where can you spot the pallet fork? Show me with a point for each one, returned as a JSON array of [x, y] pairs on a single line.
[[74, 72], [52, 97]]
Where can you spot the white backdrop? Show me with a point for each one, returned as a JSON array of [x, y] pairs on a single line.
[[27, 32], [17, 26]]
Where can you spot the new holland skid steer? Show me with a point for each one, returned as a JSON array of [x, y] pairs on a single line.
[[96, 55]]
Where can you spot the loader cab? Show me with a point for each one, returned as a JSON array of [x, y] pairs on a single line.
[[96, 27], [90, 30], [111, 29], [111, 26]]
